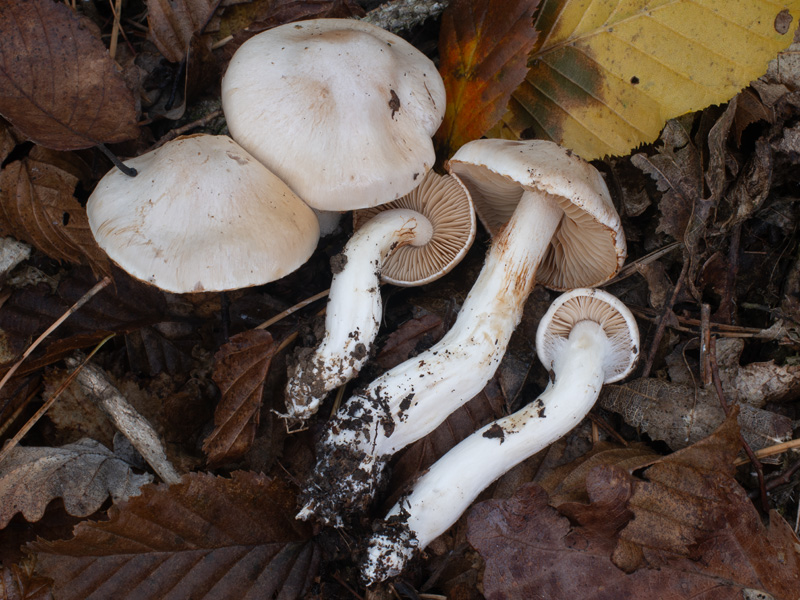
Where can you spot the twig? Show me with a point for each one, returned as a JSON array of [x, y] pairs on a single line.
[[770, 451], [12, 443], [633, 267], [662, 321], [10, 421], [705, 342], [783, 478], [116, 9], [129, 171], [127, 420], [726, 311], [748, 450], [201, 122], [598, 422], [72, 309], [293, 309], [693, 325], [398, 15]]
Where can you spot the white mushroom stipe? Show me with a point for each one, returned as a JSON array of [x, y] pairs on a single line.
[[586, 339], [354, 308], [412, 399]]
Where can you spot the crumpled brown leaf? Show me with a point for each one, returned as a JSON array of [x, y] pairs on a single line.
[[235, 537], [681, 415], [83, 474], [18, 583], [37, 205], [484, 49], [58, 84], [688, 531], [240, 368], [174, 22]]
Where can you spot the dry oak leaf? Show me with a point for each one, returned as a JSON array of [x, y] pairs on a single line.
[[206, 537], [240, 368], [681, 414], [606, 75], [691, 527], [83, 474], [58, 84], [37, 205], [484, 47], [174, 22], [18, 583]]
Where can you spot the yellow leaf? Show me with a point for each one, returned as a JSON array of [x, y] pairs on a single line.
[[605, 75]]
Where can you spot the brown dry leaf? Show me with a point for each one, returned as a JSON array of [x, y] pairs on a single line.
[[58, 84], [174, 22], [707, 544], [240, 368], [18, 583], [484, 49], [678, 172], [37, 205], [567, 483], [204, 537], [126, 306], [421, 332], [83, 474], [681, 415]]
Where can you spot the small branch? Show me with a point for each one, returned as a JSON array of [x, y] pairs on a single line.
[[12, 443], [399, 15], [748, 450], [127, 420], [770, 451], [201, 122], [705, 342], [662, 321], [292, 309], [72, 309], [129, 171]]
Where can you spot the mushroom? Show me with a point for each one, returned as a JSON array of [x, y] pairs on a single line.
[[341, 110], [202, 215], [411, 241], [587, 338], [564, 220]]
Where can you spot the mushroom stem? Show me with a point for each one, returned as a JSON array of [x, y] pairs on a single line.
[[443, 493], [412, 399], [354, 308]]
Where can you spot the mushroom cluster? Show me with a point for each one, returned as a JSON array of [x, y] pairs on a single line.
[[337, 115], [559, 227]]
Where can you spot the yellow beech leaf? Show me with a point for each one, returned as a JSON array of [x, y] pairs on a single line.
[[605, 75]]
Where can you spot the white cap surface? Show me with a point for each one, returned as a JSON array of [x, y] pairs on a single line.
[[341, 110], [201, 215], [588, 247]]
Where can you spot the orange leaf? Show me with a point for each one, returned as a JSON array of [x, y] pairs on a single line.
[[484, 46], [58, 84]]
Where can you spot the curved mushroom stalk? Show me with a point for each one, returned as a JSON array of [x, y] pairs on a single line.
[[411, 241], [592, 353], [411, 400], [354, 308]]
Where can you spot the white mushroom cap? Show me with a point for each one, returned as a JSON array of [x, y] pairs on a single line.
[[445, 202], [589, 304], [588, 247], [201, 215], [341, 110]]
